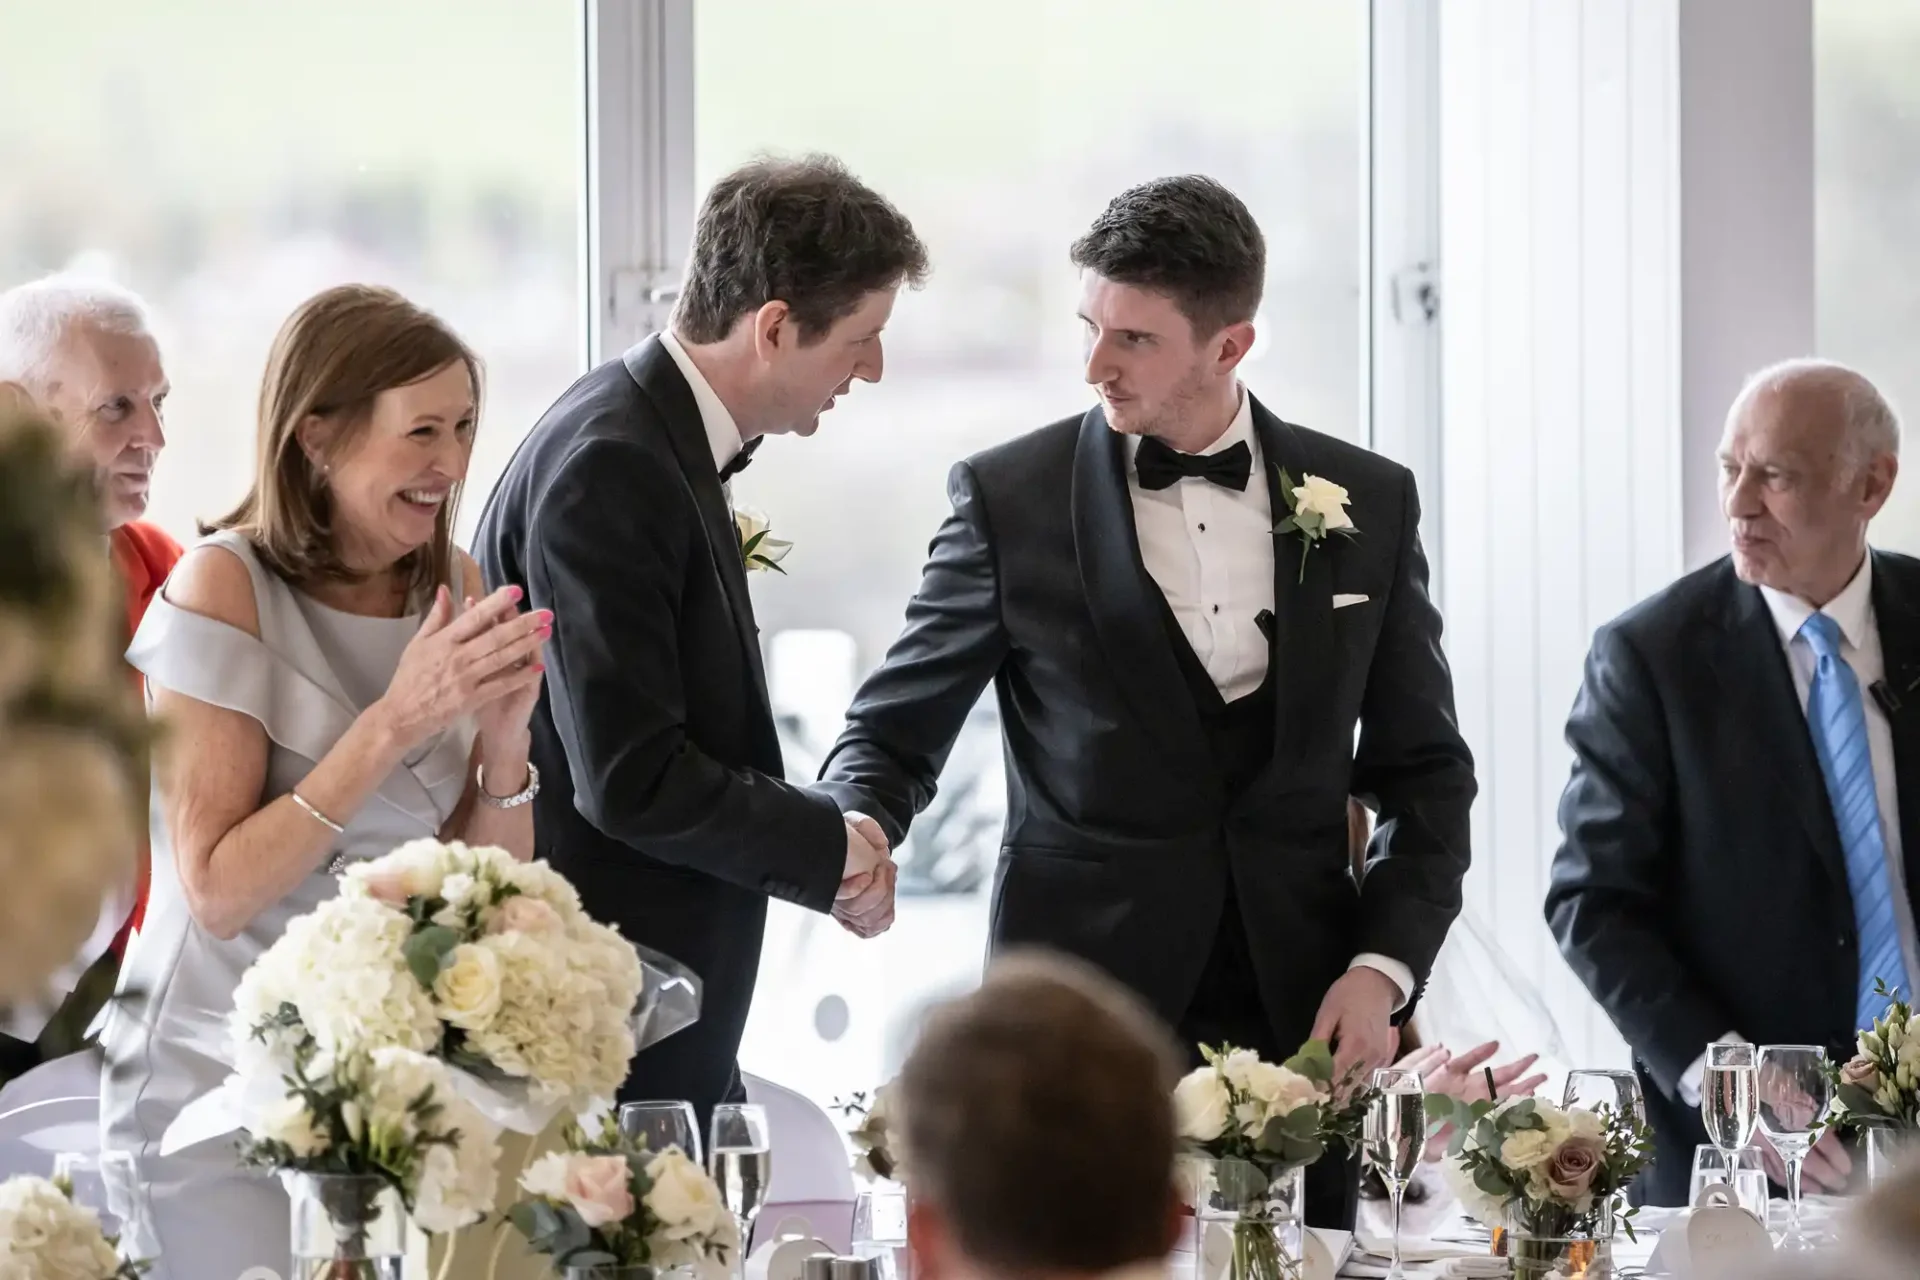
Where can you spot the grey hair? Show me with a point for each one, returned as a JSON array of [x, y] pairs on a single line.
[[35, 318], [1871, 424]]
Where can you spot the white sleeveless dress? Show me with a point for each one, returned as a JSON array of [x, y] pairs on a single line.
[[312, 670]]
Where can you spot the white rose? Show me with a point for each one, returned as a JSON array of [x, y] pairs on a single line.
[[1527, 1149], [751, 524], [683, 1197], [1200, 1105], [1280, 1089], [289, 1121], [1324, 498], [1581, 1123], [468, 989], [1485, 1209]]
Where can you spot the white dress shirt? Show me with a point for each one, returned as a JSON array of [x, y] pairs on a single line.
[[1852, 609], [1210, 551], [723, 434]]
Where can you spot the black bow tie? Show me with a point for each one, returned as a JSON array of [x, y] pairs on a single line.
[[738, 463], [1158, 466]]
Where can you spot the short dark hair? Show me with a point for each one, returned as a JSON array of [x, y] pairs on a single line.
[[804, 232], [1188, 238], [1049, 1067]]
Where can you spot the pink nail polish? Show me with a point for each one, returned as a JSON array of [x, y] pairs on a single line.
[[516, 594]]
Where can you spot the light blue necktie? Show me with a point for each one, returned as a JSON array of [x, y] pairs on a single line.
[[1838, 719]]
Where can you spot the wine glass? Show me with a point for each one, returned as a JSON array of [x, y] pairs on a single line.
[[740, 1158], [1728, 1106], [107, 1183], [1591, 1088], [1396, 1134], [661, 1125], [1742, 1173], [1792, 1093]]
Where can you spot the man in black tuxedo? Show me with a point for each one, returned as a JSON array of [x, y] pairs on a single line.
[[1704, 889], [1180, 681], [664, 800]]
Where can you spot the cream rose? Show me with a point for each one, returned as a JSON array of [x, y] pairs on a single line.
[[1862, 1072], [546, 1177], [468, 989], [1324, 498], [1527, 1149], [683, 1197], [1201, 1105], [597, 1188]]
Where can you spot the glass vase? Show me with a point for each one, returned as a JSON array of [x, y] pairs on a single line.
[[347, 1227], [1249, 1224], [613, 1271], [1581, 1255], [880, 1228]]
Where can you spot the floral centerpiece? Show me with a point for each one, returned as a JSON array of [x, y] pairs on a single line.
[[606, 1206], [1879, 1087], [371, 1137], [1250, 1129], [44, 1235], [463, 953], [1549, 1176], [875, 1145]]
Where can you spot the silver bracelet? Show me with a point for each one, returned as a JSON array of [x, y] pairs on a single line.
[[316, 815], [515, 800]]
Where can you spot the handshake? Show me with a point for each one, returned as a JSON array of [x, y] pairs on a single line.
[[864, 903]]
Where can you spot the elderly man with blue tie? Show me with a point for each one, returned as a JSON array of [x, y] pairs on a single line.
[[1742, 826]]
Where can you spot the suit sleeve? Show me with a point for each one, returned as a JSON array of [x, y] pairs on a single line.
[[1413, 768], [1610, 876], [609, 550], [904, 720]]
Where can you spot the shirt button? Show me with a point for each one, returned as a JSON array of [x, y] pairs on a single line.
[[1203, 528], [1216, 608]]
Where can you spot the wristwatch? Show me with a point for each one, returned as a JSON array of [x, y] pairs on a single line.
[[515, 800]]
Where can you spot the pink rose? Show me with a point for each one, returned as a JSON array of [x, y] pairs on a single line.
[[521, 914], [598, 1190], [1862, 1072], [389, 887], [1573, 1165]]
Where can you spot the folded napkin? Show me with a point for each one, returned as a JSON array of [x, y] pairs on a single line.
[[1483, 1267], [1416, 1248]]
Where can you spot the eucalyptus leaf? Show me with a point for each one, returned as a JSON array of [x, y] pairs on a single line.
[[1314, 1061], [1240, 1182], [427, 950]]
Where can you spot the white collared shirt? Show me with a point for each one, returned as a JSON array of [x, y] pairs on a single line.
[[1860, 648], [1210, 551], [723, 434]]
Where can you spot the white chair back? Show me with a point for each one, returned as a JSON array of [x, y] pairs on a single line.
[[75, 1076], [812, 1173]]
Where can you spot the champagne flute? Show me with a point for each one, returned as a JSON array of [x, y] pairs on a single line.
[[740, 1158], [1728, 1105], [1396, 1135], [661, 1125], [1792, 1093]]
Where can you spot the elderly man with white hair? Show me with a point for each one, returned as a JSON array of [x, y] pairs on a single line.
[[84, 351], [1741, 832]]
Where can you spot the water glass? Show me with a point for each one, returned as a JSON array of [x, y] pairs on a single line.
[[1888, 1152], [1793, 1093], [661, 1125], [880, 1229], [1712, 1167], [108, 1183]]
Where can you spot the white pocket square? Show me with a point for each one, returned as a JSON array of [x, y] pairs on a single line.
[[1341, 602]]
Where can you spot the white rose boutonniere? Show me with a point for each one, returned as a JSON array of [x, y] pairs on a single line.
[[759, 549], [1316, 507]]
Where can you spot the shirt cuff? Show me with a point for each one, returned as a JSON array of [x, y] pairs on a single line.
[[1689, 1087], [1398, 974]]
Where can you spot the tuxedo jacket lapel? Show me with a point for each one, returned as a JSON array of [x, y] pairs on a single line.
[[1303, 655], [1896, 612], [1126, 604], [1757, 686], [656, 373]]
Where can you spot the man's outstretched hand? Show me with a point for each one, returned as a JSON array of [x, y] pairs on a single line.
[[864, 903]]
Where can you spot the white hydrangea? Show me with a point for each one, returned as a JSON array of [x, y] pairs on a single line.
[[1485, 1209], [453, 1185], [45, 1236]]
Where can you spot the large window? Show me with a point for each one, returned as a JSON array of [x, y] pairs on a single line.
[[1001, 128], [227, 159], [1867, 174]]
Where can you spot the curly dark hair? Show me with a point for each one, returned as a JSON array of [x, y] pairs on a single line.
[[1188, 238], [804, 232]]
